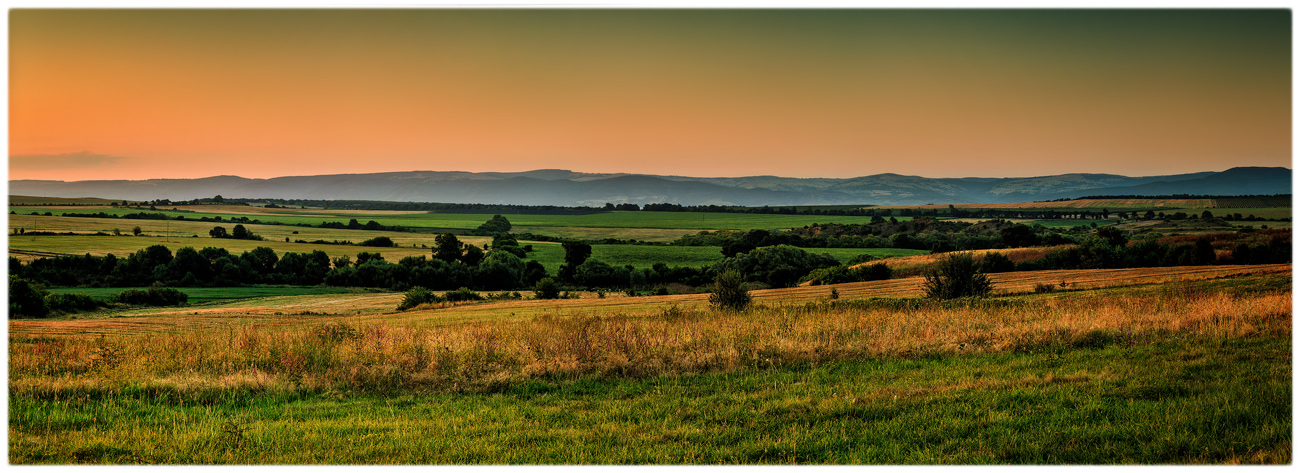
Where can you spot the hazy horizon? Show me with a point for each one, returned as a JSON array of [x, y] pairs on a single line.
[[98, 94], [630, 173]]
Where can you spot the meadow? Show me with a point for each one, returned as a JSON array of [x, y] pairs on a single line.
[[1171, 365], [1172, 370]]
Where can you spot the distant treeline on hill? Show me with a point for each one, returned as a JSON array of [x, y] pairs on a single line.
[[1222, 201], [421, 206]]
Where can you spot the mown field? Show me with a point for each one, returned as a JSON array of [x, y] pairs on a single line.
[[1180, 365]]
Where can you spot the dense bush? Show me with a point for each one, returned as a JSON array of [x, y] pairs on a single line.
[[494, 225], [546, 288], [418, 295], [462, 294], [778, 266], [67, 303], [26, 299], [381, 242], [729, 292], [956, 275], [997, 263], [845, 273], [155, 296]]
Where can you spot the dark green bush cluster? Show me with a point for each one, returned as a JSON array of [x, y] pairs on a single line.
[[778, 266], [547, 288], [462, 294], [996, 263], [419, 295], [956, 275], [729, 292], [155, 296], [68, 303], [381, 242], [26, 299], [846, 273]]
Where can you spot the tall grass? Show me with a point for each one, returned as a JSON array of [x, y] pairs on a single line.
[[488, 356]]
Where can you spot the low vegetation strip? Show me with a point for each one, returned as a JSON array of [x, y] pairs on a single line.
[[476, 356], [1149, 374]]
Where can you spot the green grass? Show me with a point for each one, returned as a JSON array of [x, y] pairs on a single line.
[[619, 219], [205, 294], [1150, 401], [551, 255]]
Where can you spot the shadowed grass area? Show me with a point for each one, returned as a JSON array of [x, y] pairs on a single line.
[[1183, 401]]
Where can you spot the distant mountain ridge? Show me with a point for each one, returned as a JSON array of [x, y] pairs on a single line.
[[569, 188]]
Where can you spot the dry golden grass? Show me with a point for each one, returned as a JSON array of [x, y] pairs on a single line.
[[904, 266], [290, 311], [478, 346]]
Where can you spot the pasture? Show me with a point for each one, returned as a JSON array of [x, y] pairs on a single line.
[[1185, 365], [1174, 365]]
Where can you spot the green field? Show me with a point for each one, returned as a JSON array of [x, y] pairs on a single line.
[[1123, 376], [207, 294], [614, 219], [1177, 402], [1179, 365]]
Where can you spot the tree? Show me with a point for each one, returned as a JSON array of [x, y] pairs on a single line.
[[575, 253], [241, 233], [956, 275], [447, 247], [473, 255], [494, 225], [136, 231], [218, 232], [729, 292], [1113, 235], [25, 298]]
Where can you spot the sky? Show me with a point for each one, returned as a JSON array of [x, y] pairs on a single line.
[[139, 94]]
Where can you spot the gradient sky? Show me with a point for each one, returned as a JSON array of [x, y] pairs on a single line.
[[136, 94]]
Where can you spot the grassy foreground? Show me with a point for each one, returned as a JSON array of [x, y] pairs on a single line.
[[1192, 373]]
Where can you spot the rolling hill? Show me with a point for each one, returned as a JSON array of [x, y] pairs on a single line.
[[569, 188]]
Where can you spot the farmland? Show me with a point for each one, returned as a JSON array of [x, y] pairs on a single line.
[[1166, 360], [1146, 365]]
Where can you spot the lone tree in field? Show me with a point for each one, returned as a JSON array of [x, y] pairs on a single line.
[[729, 292], [956, 275]]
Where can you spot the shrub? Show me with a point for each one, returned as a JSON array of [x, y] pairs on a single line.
[[546, 288], [26, 299], [729, 292], [956, 275], [155, 296], [381, 242], [72, 303], [462, 294], [997, 263], [876, 272], [416, 296]]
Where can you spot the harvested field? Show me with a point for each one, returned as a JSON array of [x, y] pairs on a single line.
[[314, 309]]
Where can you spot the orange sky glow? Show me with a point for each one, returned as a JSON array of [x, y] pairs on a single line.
[[136, 94]]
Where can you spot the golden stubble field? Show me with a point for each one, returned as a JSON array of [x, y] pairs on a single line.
[[473, 346], [296, 311]]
